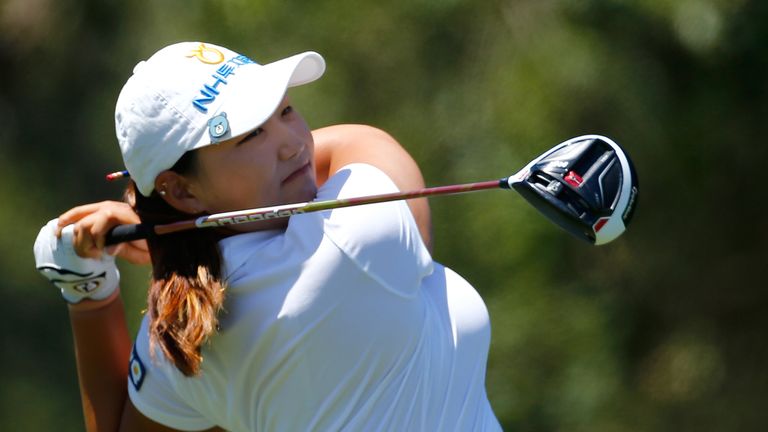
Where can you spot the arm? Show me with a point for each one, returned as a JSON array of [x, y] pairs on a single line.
[[336, 146], [102, 349], [101, 340]]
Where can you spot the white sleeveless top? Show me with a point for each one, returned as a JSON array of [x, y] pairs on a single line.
[[340, 322]]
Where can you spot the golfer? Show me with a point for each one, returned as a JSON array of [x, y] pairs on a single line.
[[327, 321]]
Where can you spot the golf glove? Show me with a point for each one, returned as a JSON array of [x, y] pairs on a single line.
[[76, 277]]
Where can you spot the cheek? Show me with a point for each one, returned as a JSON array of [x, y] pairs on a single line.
[[239, 183], [247, 188]]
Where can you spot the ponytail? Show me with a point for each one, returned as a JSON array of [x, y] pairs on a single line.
[[186, 292]]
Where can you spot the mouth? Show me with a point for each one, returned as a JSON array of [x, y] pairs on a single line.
[[301, 171]]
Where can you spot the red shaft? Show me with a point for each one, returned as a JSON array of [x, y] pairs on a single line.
[[255, 215]]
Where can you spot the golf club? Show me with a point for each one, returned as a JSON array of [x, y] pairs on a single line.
[[586, 185]]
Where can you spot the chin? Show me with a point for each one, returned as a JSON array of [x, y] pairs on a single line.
[[310, 192], [302, 190]]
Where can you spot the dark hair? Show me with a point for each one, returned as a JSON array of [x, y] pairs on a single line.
[[186, 292]]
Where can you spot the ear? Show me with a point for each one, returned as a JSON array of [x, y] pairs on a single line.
[[174, 188]]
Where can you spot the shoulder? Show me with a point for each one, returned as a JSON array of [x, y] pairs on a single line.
[[152, 388], [350, 131], [356, 180], [382, 239]]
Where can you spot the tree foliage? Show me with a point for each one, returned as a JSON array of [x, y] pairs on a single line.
[[660, 330]]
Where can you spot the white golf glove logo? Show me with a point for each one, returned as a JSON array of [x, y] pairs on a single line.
[[76, 277], [84, 283]]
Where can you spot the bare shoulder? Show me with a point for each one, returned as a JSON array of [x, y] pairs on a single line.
[[342, 144], [350, 132], [339, 145]]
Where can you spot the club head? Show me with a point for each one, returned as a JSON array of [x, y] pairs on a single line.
[[586, 185]]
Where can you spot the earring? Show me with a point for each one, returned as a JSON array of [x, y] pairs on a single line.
[[162, 189], [162, 192]]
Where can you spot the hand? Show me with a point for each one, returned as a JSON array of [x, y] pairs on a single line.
[[77, 278], [93, 221]]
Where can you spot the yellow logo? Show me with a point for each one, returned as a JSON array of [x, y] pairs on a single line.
[[207, 54]]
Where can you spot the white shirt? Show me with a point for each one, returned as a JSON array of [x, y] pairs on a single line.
[[340, 322]]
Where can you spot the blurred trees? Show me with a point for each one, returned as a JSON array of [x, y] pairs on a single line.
[[661, 330]]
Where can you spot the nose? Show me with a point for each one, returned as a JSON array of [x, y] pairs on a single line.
[[291, 148], [290, 142]]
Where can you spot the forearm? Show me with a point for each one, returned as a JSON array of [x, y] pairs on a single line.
[[336, 146], [102, 349]]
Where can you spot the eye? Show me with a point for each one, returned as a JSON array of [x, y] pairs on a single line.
[[287, 110], [254, 133]]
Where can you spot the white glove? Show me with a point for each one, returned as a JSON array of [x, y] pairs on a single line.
[[76, 277]]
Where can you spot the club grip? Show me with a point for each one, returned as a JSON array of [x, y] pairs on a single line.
[[126, 233]]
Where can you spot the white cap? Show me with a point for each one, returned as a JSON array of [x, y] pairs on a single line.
[[193, 94]]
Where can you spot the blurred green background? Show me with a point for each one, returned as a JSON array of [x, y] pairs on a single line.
[[662, 330]]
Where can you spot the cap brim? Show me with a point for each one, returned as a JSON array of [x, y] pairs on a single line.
[[256, 94]]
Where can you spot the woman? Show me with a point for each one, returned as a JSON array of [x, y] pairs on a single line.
[[327, 321]]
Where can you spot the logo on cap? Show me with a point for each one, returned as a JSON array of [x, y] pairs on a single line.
[[218, 126], [206, 54], [209, 92]]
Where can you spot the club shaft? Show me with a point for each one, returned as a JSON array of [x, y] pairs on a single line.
[[124, 233]]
